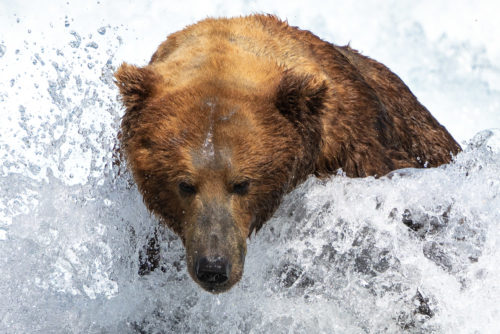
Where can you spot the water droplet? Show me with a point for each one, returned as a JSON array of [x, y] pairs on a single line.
[[3, 49], [101, 30], [39, 59], [34, 168], [92, 45], [76, 43]]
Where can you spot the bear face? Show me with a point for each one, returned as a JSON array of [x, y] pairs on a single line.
[[231, 114], [214, 162]]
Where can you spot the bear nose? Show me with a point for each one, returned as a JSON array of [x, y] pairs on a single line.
[[213, 270]]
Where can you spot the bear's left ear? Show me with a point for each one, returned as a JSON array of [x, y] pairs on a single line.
[[136, 84], [300, 96]]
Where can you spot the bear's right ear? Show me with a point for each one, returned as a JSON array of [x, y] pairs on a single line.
[[300, 96], [136, 84]]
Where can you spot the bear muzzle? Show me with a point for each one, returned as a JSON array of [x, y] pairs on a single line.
[[212, 271], [215, 248], [216, 270]]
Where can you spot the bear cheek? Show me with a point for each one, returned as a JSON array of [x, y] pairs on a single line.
[[243, 214], [243, 223]]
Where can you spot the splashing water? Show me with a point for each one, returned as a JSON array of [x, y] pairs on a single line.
[[3, 49], [415, 252]]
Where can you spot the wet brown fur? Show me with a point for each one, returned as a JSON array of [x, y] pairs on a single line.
[[252, 98]]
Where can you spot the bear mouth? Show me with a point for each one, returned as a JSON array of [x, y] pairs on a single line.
[[215, 288]]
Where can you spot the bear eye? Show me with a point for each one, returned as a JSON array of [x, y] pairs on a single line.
[[240, 188], [187, 189]]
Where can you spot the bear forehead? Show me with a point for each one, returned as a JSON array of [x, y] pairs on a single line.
[[215, 126], [219, 135], [213, 152]]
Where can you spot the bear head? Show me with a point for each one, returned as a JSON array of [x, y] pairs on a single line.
[[213, 157]]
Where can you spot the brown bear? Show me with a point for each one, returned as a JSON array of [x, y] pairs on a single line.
[[231, 114]]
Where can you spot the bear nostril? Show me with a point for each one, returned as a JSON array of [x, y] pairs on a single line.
[[212, 271]]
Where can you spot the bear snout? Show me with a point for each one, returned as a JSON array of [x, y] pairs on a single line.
[[215, 247], [212, 271]]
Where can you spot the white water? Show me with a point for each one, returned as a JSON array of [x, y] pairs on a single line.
[[336, 258]]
